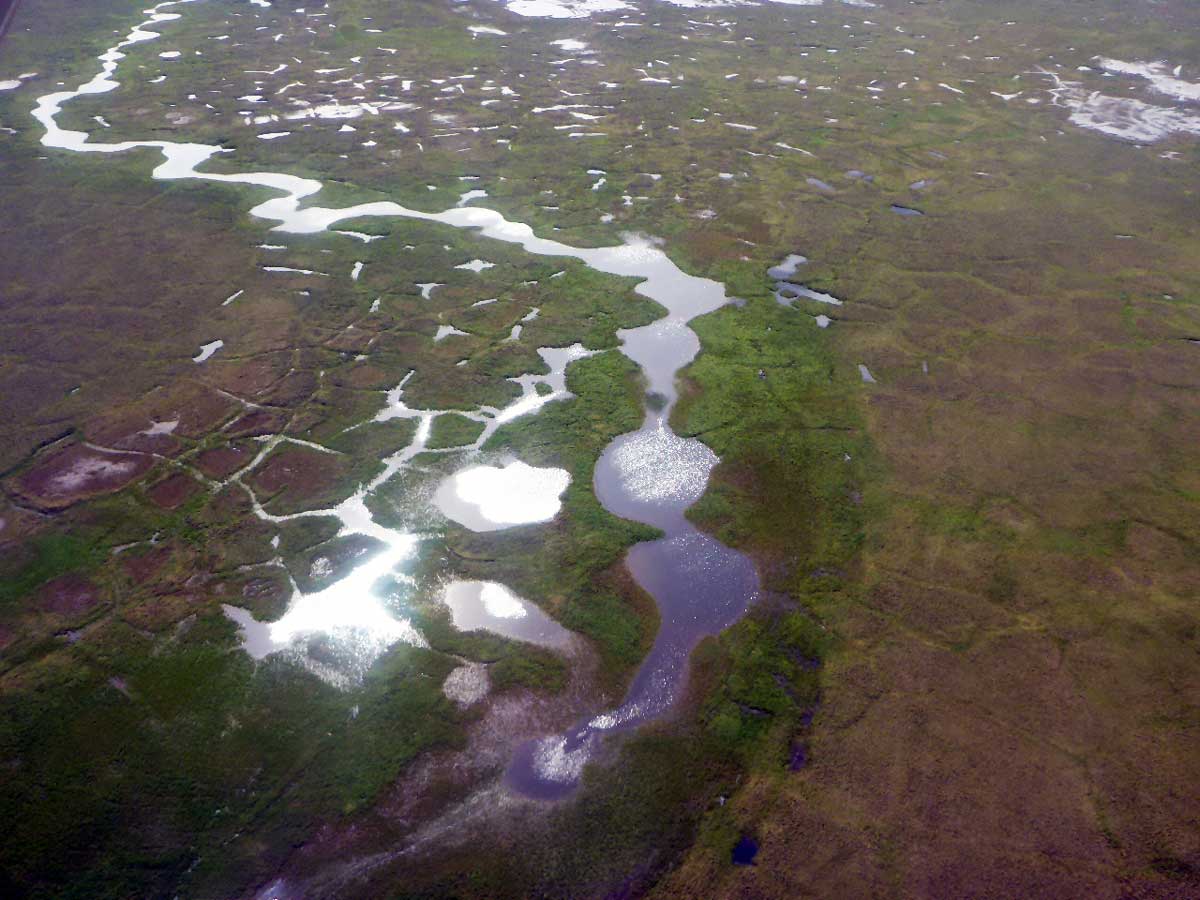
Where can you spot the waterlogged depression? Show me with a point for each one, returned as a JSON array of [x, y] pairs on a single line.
[[491, 606], [651, 475], [489, 498]]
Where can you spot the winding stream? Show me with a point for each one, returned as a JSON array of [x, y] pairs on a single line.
[[650, 475]]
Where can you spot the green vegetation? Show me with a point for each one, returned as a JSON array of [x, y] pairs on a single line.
[[511, 664], [132, 764], [48, 557], [764, 396], [453, 430]]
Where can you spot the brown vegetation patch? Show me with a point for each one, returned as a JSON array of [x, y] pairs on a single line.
[[160, 612], [136, 432], [257, 423], [292, 389], [293, 477], [173, 491], [222, 462], [249, 377], [68, 596], [265, 596], [366, 376], [144, 566], [77, 473], [195, 408], [16, 524], [352, 340]]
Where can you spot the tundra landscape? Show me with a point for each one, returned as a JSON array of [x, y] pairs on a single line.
[[600, 448]]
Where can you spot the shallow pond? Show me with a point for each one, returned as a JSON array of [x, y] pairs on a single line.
[[489, 498], [490, 606]]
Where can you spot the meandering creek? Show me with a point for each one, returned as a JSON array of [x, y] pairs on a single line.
[[651, 475]]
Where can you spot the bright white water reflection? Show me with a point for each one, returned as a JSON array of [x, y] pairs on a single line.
[[653, 475], [492, 607], [349, 606], [355, 622], [488, 498], [350, 620]]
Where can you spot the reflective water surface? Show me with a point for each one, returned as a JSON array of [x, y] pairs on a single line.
[[489, 498], [492, 607]]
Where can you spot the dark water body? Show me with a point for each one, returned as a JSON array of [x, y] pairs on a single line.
[[700, 586], [744, 851], [906, 210]]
